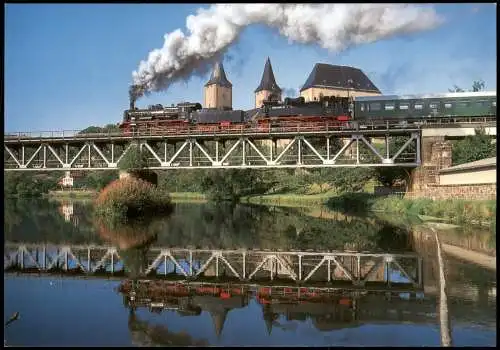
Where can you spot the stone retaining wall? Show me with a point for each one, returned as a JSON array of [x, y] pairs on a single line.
[[466, 192]]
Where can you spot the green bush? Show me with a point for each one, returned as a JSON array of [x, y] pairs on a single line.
[[132, 197]]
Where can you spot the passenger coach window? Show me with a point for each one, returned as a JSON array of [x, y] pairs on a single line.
[[375, 106], [463, 104], [389, 106], [433, 105], [494, 103], [404, 106], [419, 106], [447, 105], [362, 107]]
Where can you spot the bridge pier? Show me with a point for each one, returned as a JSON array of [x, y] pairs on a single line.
[[436, 155]]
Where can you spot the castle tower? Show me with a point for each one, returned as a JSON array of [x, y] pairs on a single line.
[[218, 90], [268, 89]]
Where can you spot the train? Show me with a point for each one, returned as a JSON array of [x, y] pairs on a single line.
[[421, 108], [333, 110]]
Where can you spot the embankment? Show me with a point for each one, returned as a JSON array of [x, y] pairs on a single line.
[[455, 211], [73, 194]]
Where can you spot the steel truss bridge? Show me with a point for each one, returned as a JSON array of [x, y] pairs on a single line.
[[308, 147], [350, 268]]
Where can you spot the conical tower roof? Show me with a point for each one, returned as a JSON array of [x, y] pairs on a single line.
[[218, 318], [219, 76], [268, 82], [268, 317], [269, 324]]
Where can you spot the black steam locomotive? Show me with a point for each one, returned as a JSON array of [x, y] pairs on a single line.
[[272, 113], [182, 111]]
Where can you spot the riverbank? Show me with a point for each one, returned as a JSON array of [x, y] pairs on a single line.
[[72, 194], [452, 211], [180, 197], [289, 199], [455, 211]]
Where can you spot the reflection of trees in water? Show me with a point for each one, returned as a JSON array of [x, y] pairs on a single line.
[[133, 240], [394, 239], [473, 238], [131, 234], [209, 225], [146, 334], [236, 226], [39, 220]]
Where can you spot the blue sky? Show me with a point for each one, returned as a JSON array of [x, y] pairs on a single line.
[[69, 66]]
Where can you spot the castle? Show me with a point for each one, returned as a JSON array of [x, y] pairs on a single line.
[[324, 80]]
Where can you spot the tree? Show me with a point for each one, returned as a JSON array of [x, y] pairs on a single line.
[[100, 179], [456, 89], [232, 184], [134, 159], [352, 179], [109, 128], [473, 148], [389, 176], [477, 85]]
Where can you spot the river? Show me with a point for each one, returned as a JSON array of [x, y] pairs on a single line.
[[243, 263]]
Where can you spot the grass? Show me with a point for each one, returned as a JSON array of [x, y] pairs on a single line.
[[452, 210]]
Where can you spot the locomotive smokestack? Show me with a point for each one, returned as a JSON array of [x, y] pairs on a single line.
[[132, 104], [334, 27]]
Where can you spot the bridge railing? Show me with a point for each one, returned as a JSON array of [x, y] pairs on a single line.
[[287, 127], [196, 130]]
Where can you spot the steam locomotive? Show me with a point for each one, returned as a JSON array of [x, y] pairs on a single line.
[[272, 113]]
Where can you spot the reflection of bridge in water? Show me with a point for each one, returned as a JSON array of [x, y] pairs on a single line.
[[345, 268]]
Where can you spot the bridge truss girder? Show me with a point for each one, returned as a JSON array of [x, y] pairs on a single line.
[[307, 151], [242, 265]]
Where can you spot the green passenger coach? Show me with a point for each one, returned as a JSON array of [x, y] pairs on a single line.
[[451, 106]]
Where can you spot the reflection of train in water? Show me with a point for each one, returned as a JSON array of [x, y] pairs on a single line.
[[219, 299], [326, 308]]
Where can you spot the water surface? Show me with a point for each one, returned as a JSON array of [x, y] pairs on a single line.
[[60, 310]]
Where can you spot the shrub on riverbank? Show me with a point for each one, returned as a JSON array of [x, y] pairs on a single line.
[[130, 198], [454, 210]]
